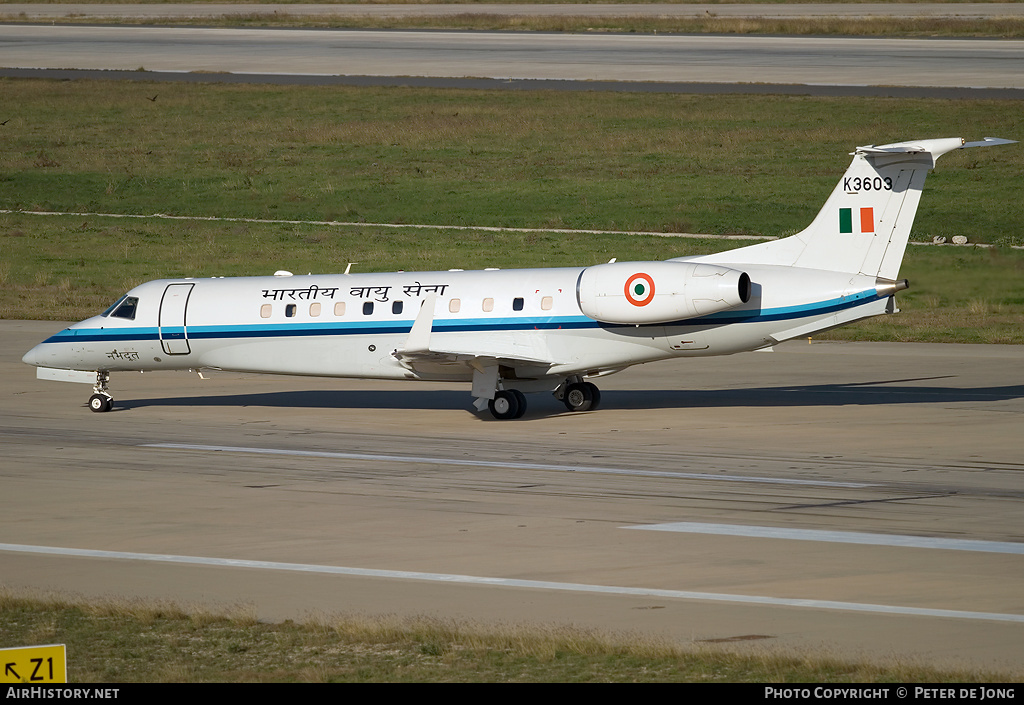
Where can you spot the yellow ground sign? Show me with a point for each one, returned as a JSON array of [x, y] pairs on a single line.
[[34, 664]]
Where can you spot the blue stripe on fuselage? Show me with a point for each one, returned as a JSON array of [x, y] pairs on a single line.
[[483, 325]]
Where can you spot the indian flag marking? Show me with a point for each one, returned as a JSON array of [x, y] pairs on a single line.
[[867, 220], [845, 220]]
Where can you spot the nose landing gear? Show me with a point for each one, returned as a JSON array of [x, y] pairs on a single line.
[[101, 400]]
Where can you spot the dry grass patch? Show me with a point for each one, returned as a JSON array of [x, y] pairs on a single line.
[[120, 640], [996, 27]]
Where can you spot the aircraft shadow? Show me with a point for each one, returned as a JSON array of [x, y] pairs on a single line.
[[861, 394], [823, 395]]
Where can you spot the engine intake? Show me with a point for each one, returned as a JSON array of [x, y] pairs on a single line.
[[659, 292]]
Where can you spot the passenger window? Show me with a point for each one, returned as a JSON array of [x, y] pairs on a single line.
[[127, 308], [397, 306], [339, 308], [517, 303], [453, 305], [290, 309], [488, 305], [367, 308], [266, 310], [546, 303], [314, 309]]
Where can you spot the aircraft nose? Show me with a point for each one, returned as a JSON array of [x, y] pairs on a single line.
[[34, 356], [46, 354]]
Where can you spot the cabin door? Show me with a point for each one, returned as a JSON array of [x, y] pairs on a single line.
[[173, 334]]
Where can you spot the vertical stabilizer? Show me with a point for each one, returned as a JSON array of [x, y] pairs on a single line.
[[865, 224]]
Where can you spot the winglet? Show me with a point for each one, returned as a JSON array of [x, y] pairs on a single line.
[[419, 335]]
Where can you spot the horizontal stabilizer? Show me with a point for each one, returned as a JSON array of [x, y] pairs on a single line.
[[934, 147], [928, 150], [988, 142]]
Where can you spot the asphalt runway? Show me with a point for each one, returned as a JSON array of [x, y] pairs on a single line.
[[859, 500], [813, 61]]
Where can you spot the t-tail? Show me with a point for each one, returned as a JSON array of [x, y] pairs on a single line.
[[865, 224]]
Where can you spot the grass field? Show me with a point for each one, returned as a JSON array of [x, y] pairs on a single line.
[[129, 642], [759, 165], [471, 17], [965, 27]]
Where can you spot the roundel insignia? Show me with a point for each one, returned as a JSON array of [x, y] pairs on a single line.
[[640, 289]]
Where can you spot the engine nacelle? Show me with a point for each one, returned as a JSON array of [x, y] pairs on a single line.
[[659, 292]]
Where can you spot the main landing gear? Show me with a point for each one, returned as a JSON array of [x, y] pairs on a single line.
[[101, 399], [507, 404], [576, 394], [581, 396]]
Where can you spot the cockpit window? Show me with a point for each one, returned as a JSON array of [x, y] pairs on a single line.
[[114, 305], [126, 309]]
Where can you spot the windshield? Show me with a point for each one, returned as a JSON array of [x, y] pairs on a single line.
[[123, 308], [113, 306]]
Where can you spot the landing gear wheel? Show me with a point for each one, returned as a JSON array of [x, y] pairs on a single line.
[[579, 396], [521, 399], [505, 405], [100, 402], [595, 393]]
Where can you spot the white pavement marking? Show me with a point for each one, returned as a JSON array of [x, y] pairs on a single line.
[[510, 465], [513, 583], [856, 537]]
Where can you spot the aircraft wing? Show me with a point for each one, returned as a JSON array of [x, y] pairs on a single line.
[[470, 357], [499, 350]]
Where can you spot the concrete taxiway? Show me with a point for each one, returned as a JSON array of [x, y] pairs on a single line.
[[855, 499], [171, 11], [832, 61]]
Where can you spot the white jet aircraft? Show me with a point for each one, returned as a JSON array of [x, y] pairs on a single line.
[[515, 331]]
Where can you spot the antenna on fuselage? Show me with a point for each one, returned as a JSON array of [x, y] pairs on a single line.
[[348, 269]]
